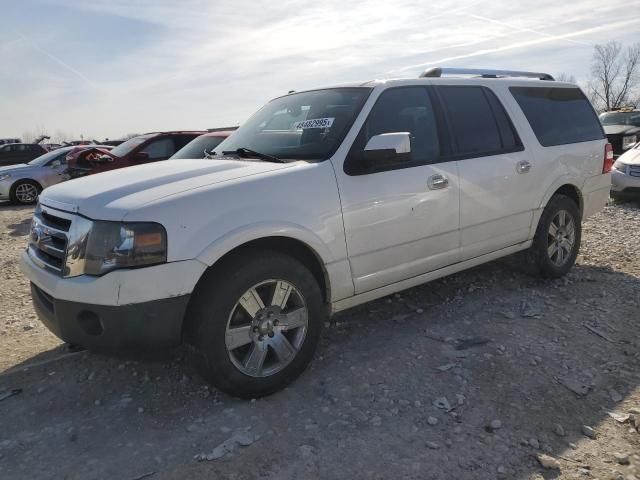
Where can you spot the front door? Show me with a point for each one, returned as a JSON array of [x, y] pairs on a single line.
[[400, 217]]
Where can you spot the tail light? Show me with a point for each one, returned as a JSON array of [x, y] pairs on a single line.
[[608, 158]]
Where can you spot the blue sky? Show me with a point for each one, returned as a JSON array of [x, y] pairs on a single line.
[[104, 68]]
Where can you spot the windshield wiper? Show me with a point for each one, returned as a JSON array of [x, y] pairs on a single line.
[[247, 152]]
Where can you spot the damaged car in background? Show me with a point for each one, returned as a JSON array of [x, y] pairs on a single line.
[[21, 184]]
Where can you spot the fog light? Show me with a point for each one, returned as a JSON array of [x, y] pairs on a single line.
[[90, 323]]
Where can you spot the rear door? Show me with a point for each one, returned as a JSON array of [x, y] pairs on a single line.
[[400, 216], [498, 190]]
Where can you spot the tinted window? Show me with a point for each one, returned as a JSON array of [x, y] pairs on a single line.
[[558, 116], [159, 149], [405, 109], [508, 136], [479, 125]]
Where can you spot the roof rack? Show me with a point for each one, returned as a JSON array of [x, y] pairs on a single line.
[[483, 73]]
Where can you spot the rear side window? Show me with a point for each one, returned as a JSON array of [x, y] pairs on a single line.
[[558, 116], [478, 121]]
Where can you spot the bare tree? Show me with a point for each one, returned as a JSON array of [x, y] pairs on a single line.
[[615, 76], [30, 135], [565, 77], [61, 136]]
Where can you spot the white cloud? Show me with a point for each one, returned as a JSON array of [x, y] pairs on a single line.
[[213, 63]]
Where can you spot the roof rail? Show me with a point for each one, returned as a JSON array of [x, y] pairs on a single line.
[[482, 72]]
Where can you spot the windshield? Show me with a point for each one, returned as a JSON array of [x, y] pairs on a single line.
[[126, 147], [196, 147], [621, 118], [305, 126], [43, 159]]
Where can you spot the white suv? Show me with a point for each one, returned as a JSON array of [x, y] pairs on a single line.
[[323, 200]]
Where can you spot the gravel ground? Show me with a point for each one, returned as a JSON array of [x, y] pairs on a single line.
[[475, 376]]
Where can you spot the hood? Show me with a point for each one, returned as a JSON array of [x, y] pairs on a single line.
[[631, 156], [620, 129], [14, 168], [111, 195]]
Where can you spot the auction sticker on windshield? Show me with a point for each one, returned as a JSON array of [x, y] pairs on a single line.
[[314, 123]]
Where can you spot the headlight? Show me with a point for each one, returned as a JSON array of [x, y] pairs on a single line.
[[114, 245], [5, 176], [621, 167], [628, 141]]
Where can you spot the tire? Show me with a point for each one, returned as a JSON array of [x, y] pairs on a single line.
[[24, 192], [243, 354], [553, 256]]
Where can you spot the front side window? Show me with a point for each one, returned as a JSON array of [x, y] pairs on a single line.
[[558, 116], [126, 147], [51, 157], [404, 109], [159, 149], [478, 122], [303, 126]]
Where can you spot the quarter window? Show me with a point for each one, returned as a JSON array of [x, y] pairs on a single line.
[[558, 116]]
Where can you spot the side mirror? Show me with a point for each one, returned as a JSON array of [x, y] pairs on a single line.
[[394, 146], [141, 156], [55, 164]]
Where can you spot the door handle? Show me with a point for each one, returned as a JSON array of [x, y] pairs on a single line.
[[523, 166], [437, 182]]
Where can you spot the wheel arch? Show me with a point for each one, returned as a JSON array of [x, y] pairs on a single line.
[[568, 189], [303, 248]]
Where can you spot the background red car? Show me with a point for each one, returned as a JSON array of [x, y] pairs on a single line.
[[150, 147]]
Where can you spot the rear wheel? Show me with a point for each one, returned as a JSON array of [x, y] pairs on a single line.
[[557, 240], [24, 192], [255, 322]]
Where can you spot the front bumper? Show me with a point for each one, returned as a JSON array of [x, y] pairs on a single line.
[[125, 309], [5, 189], [620, 182], [135, 328]]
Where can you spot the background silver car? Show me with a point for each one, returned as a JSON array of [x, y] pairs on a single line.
[[625, 176], [21, 184]]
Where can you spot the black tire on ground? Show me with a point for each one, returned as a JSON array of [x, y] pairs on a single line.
[[538, 254], [215, 299], [618, 197], [14, 197]]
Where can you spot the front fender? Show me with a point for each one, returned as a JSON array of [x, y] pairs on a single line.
[[255, 231]]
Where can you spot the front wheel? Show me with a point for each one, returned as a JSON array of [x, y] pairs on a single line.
[[557, 240], [24, 192], [255, 323]]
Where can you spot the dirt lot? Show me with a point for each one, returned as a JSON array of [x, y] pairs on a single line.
[[470, 377]]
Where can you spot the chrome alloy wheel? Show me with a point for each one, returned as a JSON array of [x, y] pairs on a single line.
[[266, 328], [561, 238], [26, 193]]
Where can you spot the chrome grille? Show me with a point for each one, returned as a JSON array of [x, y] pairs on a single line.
[[48, 239], [634, 170]]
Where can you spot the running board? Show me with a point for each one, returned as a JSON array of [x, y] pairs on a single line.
[[365, 297]]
